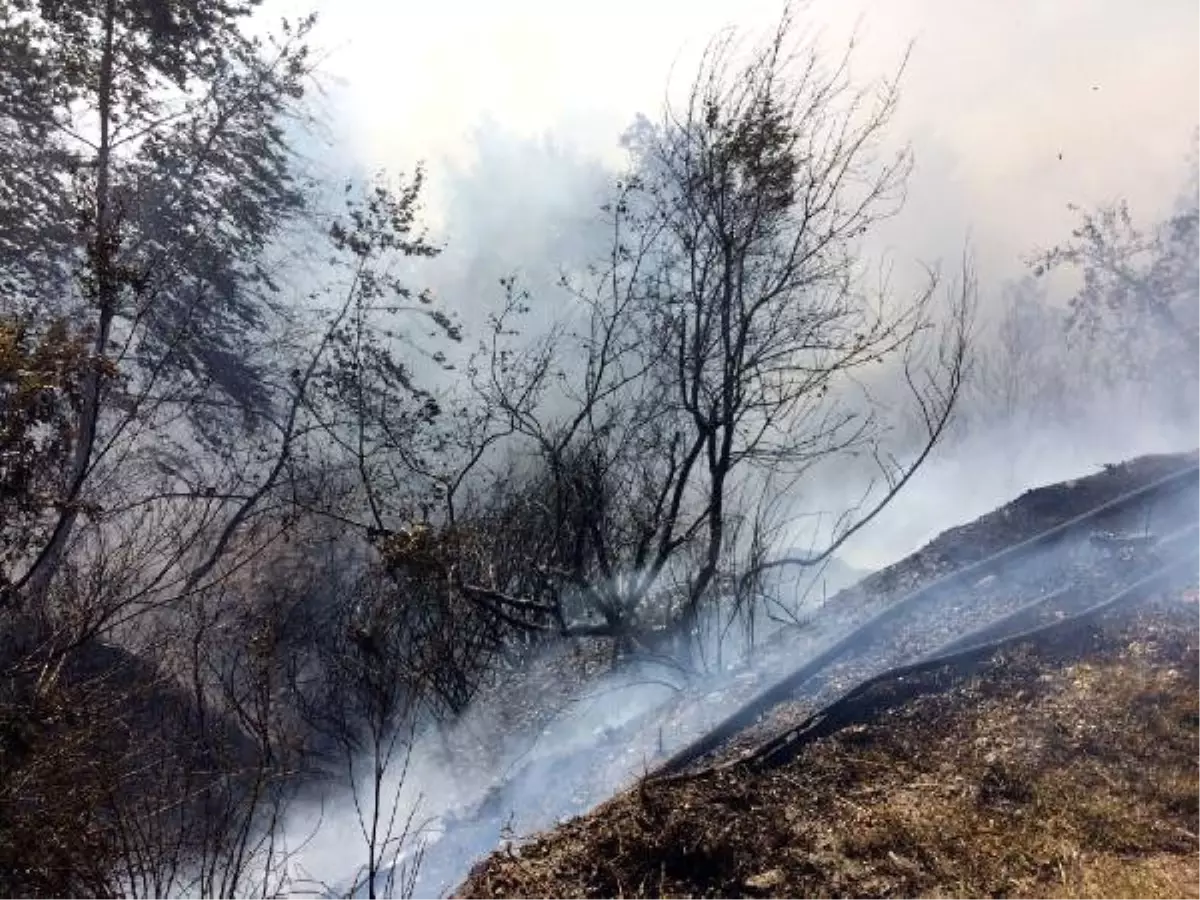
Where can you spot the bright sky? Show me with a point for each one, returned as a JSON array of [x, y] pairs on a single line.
[[994, 93]]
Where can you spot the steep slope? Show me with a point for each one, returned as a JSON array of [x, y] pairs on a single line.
[[684, 837], [1064, 767]]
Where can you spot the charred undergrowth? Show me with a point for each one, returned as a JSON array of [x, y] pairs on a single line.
[[1058, 767], [732, 868]]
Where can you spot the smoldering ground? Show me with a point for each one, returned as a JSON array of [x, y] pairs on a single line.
[[522, 206]]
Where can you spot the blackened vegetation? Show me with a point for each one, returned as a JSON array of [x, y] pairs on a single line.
[[1049, 574], [1035, 510], [248, 554], [1064, 766], [1029, 592]]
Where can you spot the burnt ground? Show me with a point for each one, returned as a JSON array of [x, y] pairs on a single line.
[[528, 703], [1063, 767], [1035, 510], [551, 683], [773, 833]]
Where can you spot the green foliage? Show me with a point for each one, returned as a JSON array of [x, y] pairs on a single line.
[[41, 373], [147, 168]]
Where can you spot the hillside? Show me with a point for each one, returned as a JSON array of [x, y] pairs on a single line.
[[1062, 768], [1020, 773]]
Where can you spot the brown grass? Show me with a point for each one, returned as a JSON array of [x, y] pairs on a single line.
[[1064, 769]]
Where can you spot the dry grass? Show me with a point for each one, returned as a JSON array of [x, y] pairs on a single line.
[[1063, 769]]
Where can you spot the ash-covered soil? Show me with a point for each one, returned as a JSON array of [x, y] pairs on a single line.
[[553, 780], [1034, 511], [1063, 767]]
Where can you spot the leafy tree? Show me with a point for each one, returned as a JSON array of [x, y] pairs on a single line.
[[1133, 321], [170, 407], [41, 378], [147, 170]]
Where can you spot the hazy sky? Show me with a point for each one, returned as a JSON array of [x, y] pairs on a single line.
[[994, 92], [515, 105]]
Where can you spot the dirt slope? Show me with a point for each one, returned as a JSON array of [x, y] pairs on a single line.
[[1061, 767]]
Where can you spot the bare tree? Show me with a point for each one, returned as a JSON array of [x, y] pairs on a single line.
[[1023, 376], [723, 339], [369, 705]]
